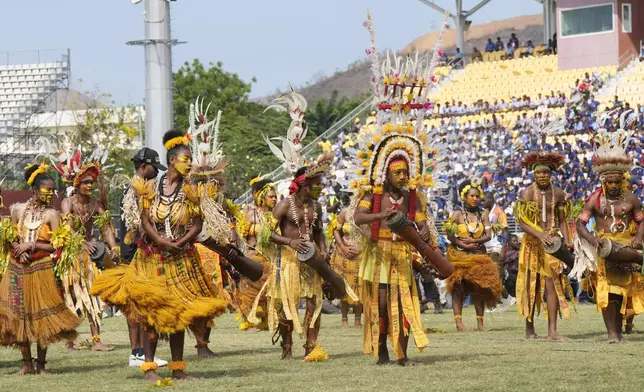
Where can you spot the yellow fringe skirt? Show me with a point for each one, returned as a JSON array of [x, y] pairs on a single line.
[[166, 294], [33, 308], [534, 266], [390, 263], [289, 281], [249, 291], [348, 268], [478, 274], [628, 285]]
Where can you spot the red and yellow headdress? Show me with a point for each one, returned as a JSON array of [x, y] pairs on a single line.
[[535, 160], [73, 169]]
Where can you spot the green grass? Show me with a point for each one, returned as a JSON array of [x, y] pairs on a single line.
[[498, 360]]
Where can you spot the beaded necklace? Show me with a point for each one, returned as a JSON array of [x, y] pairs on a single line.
[[308, 226], [168, 201], [542, 204], [33, 223]]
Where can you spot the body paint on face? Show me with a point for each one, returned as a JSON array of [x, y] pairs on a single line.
[[316, 189], [183, 165], [45, 195], [270, 200], [86, 187]]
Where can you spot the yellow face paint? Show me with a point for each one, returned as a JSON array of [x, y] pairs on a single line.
[[270, 199], [46, 195], [183, 164], [316, 189]]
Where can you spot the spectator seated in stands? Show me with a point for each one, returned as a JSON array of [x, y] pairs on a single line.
[[529, 50], [509, 51], [499, 45], [547, 50], [476, 55], [458, 59], [490, 47]]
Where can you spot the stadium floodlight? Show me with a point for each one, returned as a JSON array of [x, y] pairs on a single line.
[[136, 1]]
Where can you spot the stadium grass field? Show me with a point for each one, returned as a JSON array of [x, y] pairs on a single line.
[[499, 360]]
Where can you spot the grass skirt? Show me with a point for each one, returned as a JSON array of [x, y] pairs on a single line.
[[32, 309], [348, 269], [167, 295], [478, 274], [535, 265], [77, 283], [387, 262], [629, 285], [249, 290]]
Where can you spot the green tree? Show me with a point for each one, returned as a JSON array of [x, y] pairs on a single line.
[[324, 113]]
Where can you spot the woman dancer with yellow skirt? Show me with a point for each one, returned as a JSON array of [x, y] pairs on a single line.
[[32, 309], [164, 287], [476, 273], [249, 226], [346, 262]]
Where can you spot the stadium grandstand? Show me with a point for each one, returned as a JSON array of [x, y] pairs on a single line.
[[488, 109], [25, 87]]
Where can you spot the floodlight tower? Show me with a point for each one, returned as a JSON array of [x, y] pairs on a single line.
[[159, 110], [460, 18]]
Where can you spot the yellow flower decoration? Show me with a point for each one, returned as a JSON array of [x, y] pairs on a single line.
[[42, 169]]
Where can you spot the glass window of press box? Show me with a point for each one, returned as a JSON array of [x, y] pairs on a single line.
[[587, 20]]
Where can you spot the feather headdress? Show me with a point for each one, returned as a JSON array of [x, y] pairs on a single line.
[[73, 167], [295, 104], [610, 152], [204, 141]]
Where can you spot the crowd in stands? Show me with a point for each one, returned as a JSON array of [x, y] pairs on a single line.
[[492, 147]]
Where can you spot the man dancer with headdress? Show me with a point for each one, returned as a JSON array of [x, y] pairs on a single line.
[[542, 213], [299, 220], [618, 217], [82, 211]]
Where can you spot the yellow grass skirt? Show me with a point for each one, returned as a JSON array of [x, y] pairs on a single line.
[[249, 290], [535, 265], [167, 295], [390, 263], [348, 268], [33, 308], [290, 281], [628, 285], [478, 272]]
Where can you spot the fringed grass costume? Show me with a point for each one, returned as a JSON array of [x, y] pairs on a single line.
[[388, 261], [535, 265], [477, 272], [343, 265], [627, 284], [34, 311], [160, 290]]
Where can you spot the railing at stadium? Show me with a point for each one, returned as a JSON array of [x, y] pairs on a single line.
[[280, 173]]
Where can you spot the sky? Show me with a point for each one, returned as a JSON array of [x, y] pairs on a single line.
[[277, 41]]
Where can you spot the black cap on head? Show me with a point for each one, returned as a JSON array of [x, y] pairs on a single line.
[[149, 156]]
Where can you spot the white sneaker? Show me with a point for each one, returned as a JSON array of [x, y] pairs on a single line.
[[160, 362], [135, 361]]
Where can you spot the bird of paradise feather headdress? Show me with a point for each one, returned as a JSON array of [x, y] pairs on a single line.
[[398, 138], [290, 154], [610, 152], [73, 167], [203, 136]]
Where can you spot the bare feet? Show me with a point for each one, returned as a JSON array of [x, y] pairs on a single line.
[[99, 346], [406, 362], [345, 323], [459, 325], [383, 355], [357, 324], [28, 368], [555, 337], [40, 368], [530, 332], [480, 326], [629, 329], [151, 375], [181, 375], [287, 354], [205, 352], [70, 347]]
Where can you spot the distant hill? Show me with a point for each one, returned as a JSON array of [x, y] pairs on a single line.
[[355, 80]]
